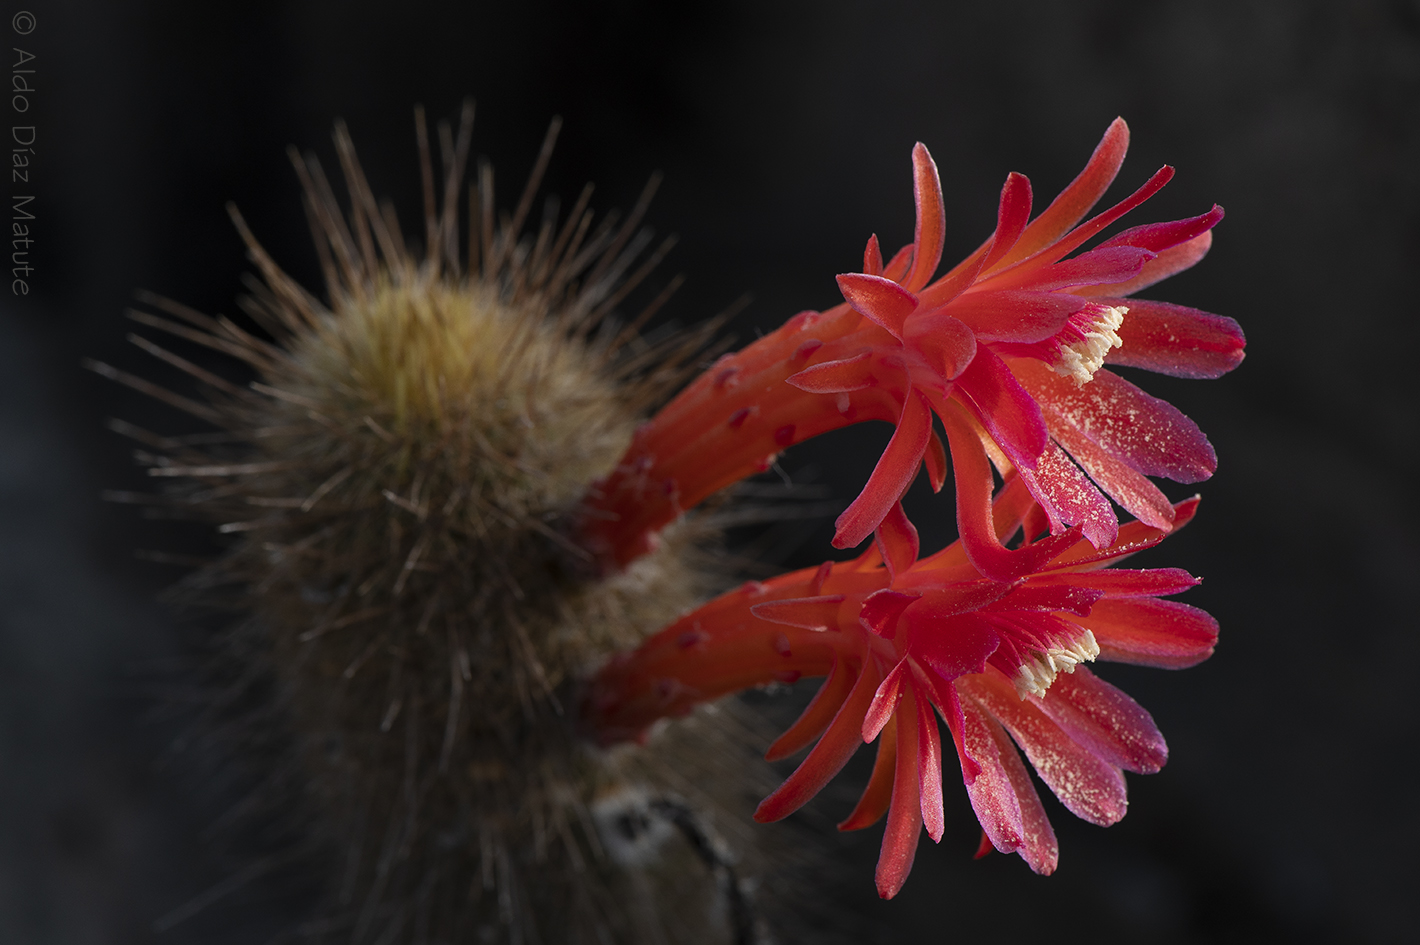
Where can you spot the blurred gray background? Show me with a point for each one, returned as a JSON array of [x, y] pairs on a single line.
[[1288, 808]]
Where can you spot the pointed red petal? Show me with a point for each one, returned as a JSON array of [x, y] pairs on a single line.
[[1105, 265], [1161, 236], [897, 540], [1039, 847], [1133, 538], [1169, 262], [877, 298], [1105, 720], [1076, 597], [816, 716], [935, 459], [873, 257], [992, 794], [1015, 316], [904, 823], [1176, 340], [1151, 583], [1011, 217], [890, 478], [927, 192], [836, 377], [808, 613], [885, 702], [929, 765], [828, 757], [943, 695]]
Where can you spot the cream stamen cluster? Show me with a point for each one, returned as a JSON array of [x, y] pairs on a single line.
[[1042, 666], [1084, 356]]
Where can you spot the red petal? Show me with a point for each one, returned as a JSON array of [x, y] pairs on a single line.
[[877, 298], [876, 796], [1161, 236], [836, 377], [943, 695], [1105, 720], [809, 613], [897, 540], [890, 478], [827, 757], [1076, 199], [1151, 583], [1076, 597], [1105, 265], [935, 459], [1174, 339], [1011, 217], [1038, 845], [1152, 632], [816, 716], [885, 702], [1149, 434], [1138, 495], [1013, 316], [927, 193], [1167, 263], [1133, 538], [904, 823], [1073, 496], [873, 257], [1005, 408], [946, 344], [992, 793], [1089, 787], [929, 764]]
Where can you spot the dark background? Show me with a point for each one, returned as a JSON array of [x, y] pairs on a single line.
[[784, 130]]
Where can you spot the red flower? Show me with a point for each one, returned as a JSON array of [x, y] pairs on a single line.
[[898, 637], [1014, 336]]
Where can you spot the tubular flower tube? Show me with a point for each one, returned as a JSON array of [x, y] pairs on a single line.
[[897, 637], [1008, 347]]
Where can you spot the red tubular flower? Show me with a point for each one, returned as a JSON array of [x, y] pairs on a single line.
[[897, 638], [1006, 349]]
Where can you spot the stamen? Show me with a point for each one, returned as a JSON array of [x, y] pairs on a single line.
[[1084, 356], [1042, 666]]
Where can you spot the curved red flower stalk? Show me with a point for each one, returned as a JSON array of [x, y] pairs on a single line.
[[1014, 336], [897, 637]]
